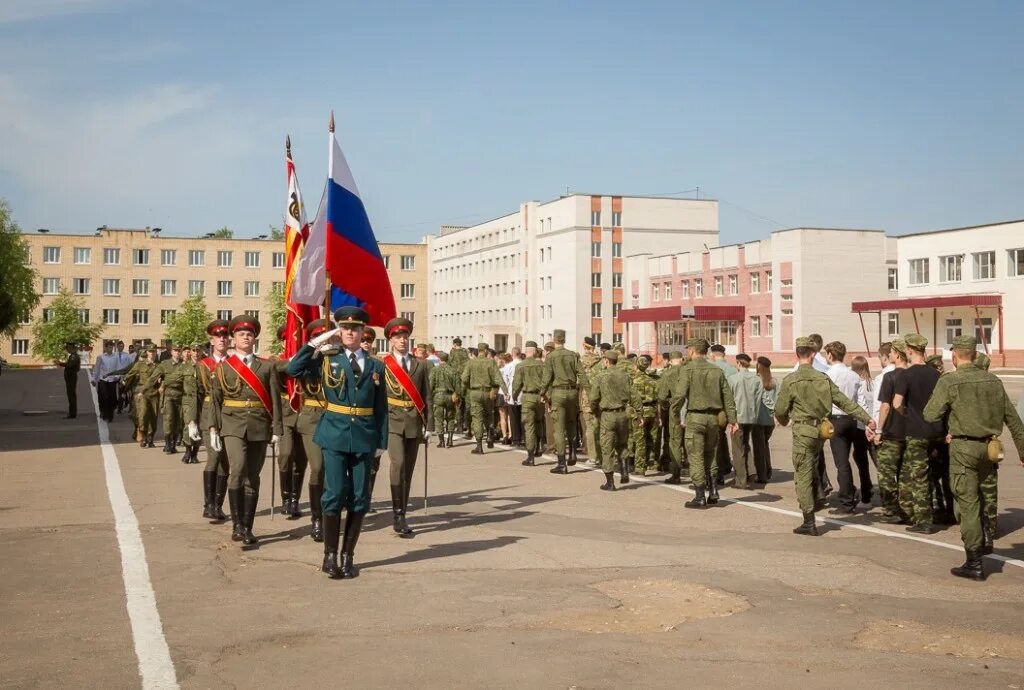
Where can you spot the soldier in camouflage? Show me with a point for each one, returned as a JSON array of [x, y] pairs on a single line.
[[445, 387], [528, 387], [644, 400], [480, 377], [561, 387], [457, 358], [673, 406], [989, 485], [891, 438], [590, 364], [609, 393]]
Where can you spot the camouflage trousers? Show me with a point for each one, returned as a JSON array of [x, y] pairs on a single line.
[[890, 460], [645, 441], [701, 438], [969, 468], [988, 486], [172, 416], [614, 432], [915, 480], [146, 412], [443, 413]]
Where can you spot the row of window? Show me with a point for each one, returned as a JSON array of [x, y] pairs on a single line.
[[983, 267], [598, 337], [485, 316], [168, 257], [595, 219], [664, 291], [140, 317], [480, 267], [755, 326], [596, 310], [954, 328], [168, 287], [480, 242], [595, 250]]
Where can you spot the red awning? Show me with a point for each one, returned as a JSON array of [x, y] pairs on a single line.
[[678, 313], [719, 313], [928, 303]]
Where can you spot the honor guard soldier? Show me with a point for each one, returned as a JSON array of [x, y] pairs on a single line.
[[528, 382], [806, 398], [146, 399], [215, 474], [445, 387], [976, 406], [291, 462], [246, 417], [168, 380], [561, 386], [480, 376], [703, 388], [313, 406], [189, 403], [351, 432], [408, 391], [609, 394]]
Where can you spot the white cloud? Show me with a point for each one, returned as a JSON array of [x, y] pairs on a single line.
[[26, 10]]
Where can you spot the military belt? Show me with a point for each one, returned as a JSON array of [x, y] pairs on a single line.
[[314, 403], [981, 439], [808, 422], [565, 388], [650, 403], [477, 388], [243, 403], [612, 409], [532, 392], [345, 409], [705, 411], [395, 402], [206, 398]]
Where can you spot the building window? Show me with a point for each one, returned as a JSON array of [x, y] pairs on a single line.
[[698, 288], [408, 262], [408, 291], [595, 280], [140, 287], [224, 258], [597, 337], [140, 317], [595, 218], [668, 291], [685, 289], [277, 286], [111, 256], [411, 315], [168, 288], [140, 257], [196, 287], [224, 314], [616, 280], [83, 315], [83, 255], [894, 279], [734, 285], [111, 287], [252, 259], [769, 325], [252, 288], [918, 271], [617, 219], [595, 249], [616, 308], [387, 261], [165, 316], [767, 281], [950, 268], [954, 329], [983, 334], [51, 286], [196, 257], [617, 250], [81, 286], [655, 293], [112, 317], [616, 338], [254, 313], [51, 255], [755, 326], [223, 288], [277, 260], [168, 257], [47, 315], [19, 347], [719, 290], [1015, 263], [755, 283], [984, 265], [595, 310], [893, 324]]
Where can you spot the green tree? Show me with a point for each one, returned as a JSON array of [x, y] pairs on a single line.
[[188, 324], [225, 233], [18, 294], [50, 338], [278, 315], [276, 233]]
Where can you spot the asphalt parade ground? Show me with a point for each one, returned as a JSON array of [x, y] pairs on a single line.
[[516, 578]]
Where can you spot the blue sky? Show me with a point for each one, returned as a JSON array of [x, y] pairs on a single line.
[[896, 115]]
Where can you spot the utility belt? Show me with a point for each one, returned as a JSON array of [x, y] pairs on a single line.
[[565, 388], [480, 388], [826, 429], [531, 392], [313, 402], [993, 446], [346, 409], [649, 403], [249, 404], [980, 439], [395, 402], [613, 409]]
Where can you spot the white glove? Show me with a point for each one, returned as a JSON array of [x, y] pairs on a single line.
[[274, 440], [215, 443], [379, 452], [324, 337], [427, 435], [328, 349], [193, 432]]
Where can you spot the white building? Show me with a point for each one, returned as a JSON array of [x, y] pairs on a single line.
[[552, 265]]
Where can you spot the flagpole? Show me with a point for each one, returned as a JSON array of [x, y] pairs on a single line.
[[327, 265]]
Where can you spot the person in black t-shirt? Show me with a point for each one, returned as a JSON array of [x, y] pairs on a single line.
[[891, 438], [914, 389], [71, 367]]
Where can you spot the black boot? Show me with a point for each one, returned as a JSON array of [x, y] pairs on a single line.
[[172, 445], [316, 492], [560, 467], [373, 481], [248, 538], [218, 498], [713, 493], [149, 441], [986, 541], [353, 526], [295, 513], [676, 477], [490, 438], [235, 504], [572, 453], [479, 449], [529, 460], [624, 473], [698, 500], [972, 568], [401, 528], [440, 440], [331, 535], [286, 491], [209, 487], [808, 527], [609, 482], [450, 433], [167, 445], [186, 459]]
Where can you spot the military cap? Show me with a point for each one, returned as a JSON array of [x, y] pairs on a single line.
[[934, 360], [549, 345], [717, 347], [611, 355], [443, 356], [316, 327], [675, 354], [559, 335], [983, 361], [217, 327], [351, 316], [457, 341], [631, 355], [764, 362], [482, 346], [531, 343], [644, 359], [605, 347], [619, 347], [697, 343], [589, 341], [804, 341], [397, 326], [916, 341], [175, 346], [244, 322], [369, 334], [899, 344], [964, 342], [744, 357]]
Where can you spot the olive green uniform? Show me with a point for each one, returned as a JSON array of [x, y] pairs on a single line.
[[609, 395], [291, 460], [480, 377], [146, 398], [445, 387], [561, 386], [170, 375], [528, 381], [590, 364], [644, 428], [703, 388], [457, 359], [189, 404], [666, 396]]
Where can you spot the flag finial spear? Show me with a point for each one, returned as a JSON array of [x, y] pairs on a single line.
[[288, 145], [330, 127]]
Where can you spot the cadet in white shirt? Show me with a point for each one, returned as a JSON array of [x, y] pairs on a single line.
[[847, 435], [105, 381]]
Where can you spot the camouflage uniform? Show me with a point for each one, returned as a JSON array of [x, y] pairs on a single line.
[[644, 400], [666, 394], [457, 359], [169, 376], [989, 485], [444, 386], [590, 364], [189, 403], [609, 393], [528, 382], [480, 377], [561, 386], [146, 399]]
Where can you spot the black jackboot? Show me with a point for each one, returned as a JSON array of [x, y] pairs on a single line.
[[167, 445], [373, 481], [353, 526], [698, 500], [286, 491], [295, 513], [251, 500], [401, 528], [450, 434], [609, 482], [172, 445], [186, 459], [624, 473], [986, 542], [316, 492], [440, 440], [713, 493], [572, 453], [479, 449], [235, 504], [808, 527], [209, 487], [490, 438], [560, 467], [218, 497], [972, 568], [676, 477], [529, 460], [331, 535]]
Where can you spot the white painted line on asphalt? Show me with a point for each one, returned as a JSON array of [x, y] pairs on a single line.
[[155, 666], [783, 511]]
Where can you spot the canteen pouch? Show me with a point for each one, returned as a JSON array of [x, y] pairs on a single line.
[[827, 430], [723, 419], [994, 450]]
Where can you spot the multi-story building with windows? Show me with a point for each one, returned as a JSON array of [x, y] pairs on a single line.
[[557, 264], [132, 280]]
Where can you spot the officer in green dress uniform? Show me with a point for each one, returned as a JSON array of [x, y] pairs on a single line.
[[445, 387], [352, 430], [480, 376], [975, 406], [246, 417], [528, 382], [609, 394], [291, 461], [216, 471], [146, 399], [561, 386], [168, 380], [806, 398], [313, 406], [703, 388]]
